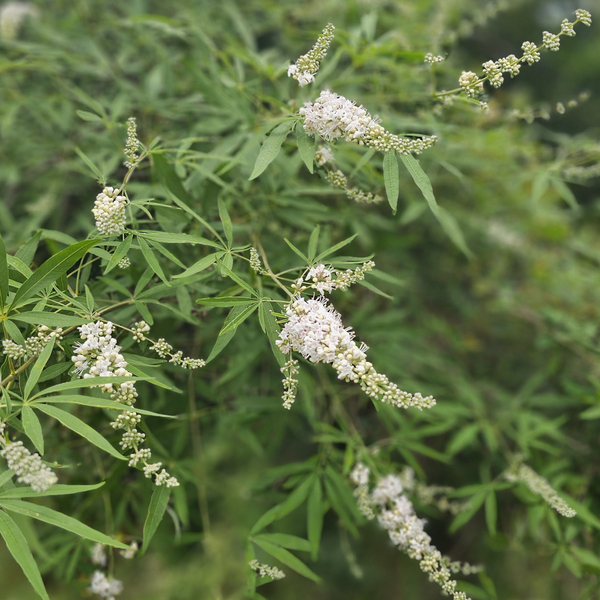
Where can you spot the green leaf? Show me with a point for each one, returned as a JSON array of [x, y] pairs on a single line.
[[27, 251], [120, 252], [33, 428], [90, 382], [446, 220], [292, 502], [79, 427], [156, 511], [314, 518], [202, 264], [296, 250], [226, 220], [306, 147], [229, 273], [226, 301], [19, 548], [272, 330], [152, 260], [37, 369], [164, 237], [234, 323], [94, 402], [313, 242], [169, 179], [57, 489], [287, 558], [292, 542], [6, 477], [270, 149], [491, 512], [53, 517], [93, 168], [391, 177], [36, 317], [466, 515], [3, 273], [51, 270], [335, 248], [87, 116]]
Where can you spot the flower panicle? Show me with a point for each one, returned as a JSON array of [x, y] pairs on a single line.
[[307, 66]]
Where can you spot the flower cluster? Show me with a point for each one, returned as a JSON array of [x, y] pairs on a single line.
[[139, 329], [538, 485], [124, 263], [33, 344], [431, 59], [315, 329], [322, 277], [290, 384], [99, 356], [324, 155], [132, 144], [255, 262], [395, 513], [98, 555], [104, 586], [471, 84], [307, 66], [164, 350], [339, 180], [332, 117], [109, 211], [28, 467], [12, 15], [266, 570]]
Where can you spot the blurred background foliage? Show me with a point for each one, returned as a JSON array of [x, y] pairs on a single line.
[[506, 338]]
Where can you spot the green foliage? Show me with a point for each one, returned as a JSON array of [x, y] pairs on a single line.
[[484, 295]]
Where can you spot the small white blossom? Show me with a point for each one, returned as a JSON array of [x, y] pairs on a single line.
[[538, 485], [255, 262], [28, 467], [98, 555], [289, 383], [470, 83], [560, 108], [531, 53], [105, 587], [315, 329], [132, 144], [431, 59], [266, 570], [307, 66], [12, 15], [551, 41], [139, 329], [324, 155], [332, 116], [124, 263], [130, 553], [583, 16], [109, 211]]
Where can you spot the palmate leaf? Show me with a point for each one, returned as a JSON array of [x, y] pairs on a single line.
[[19, 548]]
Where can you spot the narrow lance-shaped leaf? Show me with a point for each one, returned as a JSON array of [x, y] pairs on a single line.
[[314, 518], [306, 147], [57, 489], [313, 242], [201, 265], [287, 558], [51, 270], [391, 178], [119, 253], [3, 273], [226, 220], [19, 548], [156, 511], [152, 260], [53, 517], [81, 428], [272, 331], [33, 428], [270, 149], [38, 367]]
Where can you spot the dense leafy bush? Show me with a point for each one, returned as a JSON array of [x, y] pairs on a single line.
[[256, 224]]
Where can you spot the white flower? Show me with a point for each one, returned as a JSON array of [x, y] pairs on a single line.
[[130, 553], [307, 66], [266, 570], [332, 117], [105, 587], [12, 15], [315, 329], [28, 467], [109, 210], [98, 555]]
